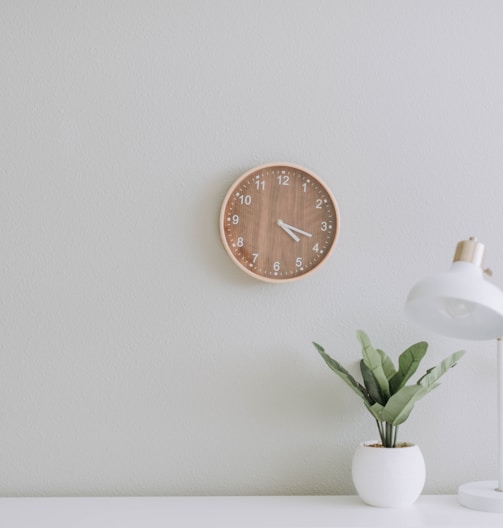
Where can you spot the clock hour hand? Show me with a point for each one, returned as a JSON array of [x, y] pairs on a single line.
[[288, 230], [291, 228]]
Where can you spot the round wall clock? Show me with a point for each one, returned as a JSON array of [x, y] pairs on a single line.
[[279, 222]]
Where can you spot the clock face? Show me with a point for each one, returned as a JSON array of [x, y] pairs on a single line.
[[279, 222]]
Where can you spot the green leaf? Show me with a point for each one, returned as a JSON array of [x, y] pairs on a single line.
[[371, 384], [387, 364], [375, 410], [374, 362], [400, 405], [433, 374], [407, 365], [358, 388]]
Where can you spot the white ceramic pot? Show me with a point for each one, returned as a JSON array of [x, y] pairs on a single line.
[[388, 477]]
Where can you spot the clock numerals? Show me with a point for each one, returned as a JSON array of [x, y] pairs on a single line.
[[283, 179], [245, 199], [260, 185], [278, 270]]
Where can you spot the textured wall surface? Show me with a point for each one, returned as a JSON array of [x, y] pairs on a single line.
[[135, 358]]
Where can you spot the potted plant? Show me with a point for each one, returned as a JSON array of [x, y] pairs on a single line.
[[386, 472]]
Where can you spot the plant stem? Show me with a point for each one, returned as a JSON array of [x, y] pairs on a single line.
[[380, 429], [395, 436], [389, 435]]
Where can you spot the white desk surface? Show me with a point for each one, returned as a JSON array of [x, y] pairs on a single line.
[[432, 511]]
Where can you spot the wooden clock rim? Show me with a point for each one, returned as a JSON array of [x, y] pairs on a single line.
[[232, 190]]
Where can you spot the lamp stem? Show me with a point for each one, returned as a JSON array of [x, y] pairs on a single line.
[[500, 412]]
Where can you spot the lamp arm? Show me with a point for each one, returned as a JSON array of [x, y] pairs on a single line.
[[500, 412]]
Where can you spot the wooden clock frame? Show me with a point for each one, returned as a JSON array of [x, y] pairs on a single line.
[[279, 222]]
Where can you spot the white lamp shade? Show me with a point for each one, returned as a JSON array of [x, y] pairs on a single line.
[[460, 303]]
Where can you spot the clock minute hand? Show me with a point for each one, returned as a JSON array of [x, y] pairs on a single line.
[[300, 231], [287, 230]]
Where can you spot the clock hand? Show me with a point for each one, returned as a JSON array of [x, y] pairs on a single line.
[[294, 229], [288, 231]]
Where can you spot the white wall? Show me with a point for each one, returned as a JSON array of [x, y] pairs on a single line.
[[135, 357]]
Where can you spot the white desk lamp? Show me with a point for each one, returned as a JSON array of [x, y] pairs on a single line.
[[461, 303]]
